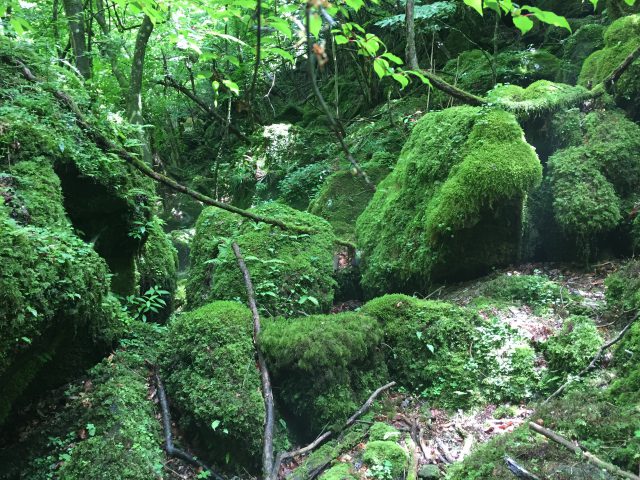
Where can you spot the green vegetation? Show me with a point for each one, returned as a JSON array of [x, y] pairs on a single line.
[[291, 273], [534, 290], [386, 458], [324, 366], [457, 189], [210, 375], [620, 39], [428, 352]]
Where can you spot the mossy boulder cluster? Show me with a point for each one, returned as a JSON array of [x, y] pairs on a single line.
[[452, 206], [291, 273], [620, 39]]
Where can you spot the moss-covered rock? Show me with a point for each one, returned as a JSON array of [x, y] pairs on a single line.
[[620, 8], [473, 69], [452, 206], [620, 39], [428, 352], [291, 273], [210, 375], [324, 366], [341, 471], [572, 348], [575, 49], [388, 456], [157, 265], [383, 431], [101, 426]]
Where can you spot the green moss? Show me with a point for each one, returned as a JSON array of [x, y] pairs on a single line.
[[381, 453], [324, 366], [572, 348], [383, 431], [473, 69], [582, 43], [451, 207], [341, 471], [620, 8], [623, 288], [300, 186], [210, 375], [291, 273], [620, 39], [534, 290], [157, 265], [428, 352]]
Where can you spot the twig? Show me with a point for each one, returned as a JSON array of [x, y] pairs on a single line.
[[610, 81], [258, 42], [591, 458], [594, 361], [325, 436], [267, 391], [336, 126], [168, 436], [519, 471]]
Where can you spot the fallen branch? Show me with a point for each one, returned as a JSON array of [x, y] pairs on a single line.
[[594, 362], [267, 391], [591, 458], [518, 471], [325, 436], [610, 81], [171, 450]]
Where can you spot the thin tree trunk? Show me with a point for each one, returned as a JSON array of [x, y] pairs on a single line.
[[134, 102], [410, 51], [74, 11], [110, 50]]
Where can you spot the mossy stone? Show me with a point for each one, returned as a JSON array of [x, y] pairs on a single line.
[[378, 452], [341, 471]]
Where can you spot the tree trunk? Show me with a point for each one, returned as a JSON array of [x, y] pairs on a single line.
[[111, 49], [410, 51], [74, 11], [134, 101]]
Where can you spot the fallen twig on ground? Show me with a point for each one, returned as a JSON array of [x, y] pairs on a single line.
[[518, 471]]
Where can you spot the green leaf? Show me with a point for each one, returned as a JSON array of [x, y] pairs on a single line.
[[424, 79], [419, 335], [315, 23], [380, 66], [401, 79], [341, 39], [630, 2], [282, 53], [392, 57], [548, 17], [280, 25], [215, 424], [475, 4], [523, 23], [430, 347], [355, 4], [232, 86]]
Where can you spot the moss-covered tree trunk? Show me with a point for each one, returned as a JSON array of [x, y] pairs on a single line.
[[74, 10]]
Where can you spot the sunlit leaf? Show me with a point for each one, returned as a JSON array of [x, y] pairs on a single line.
[[315, 23], [523, 23], [393, 58], [341, 39], [548, 17], [475, 4]]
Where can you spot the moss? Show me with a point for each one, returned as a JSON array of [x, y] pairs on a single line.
[[381, 453], [620, 39], [572, 348], [451, 208], [620, 8], [341, 471], [383, 431], [291, 273], [532, 290], [324, 366], [582, 43], [300, 186], [125, 441], [623, 288], [157, 265], [428, 352], [210, 375], [473, 72]]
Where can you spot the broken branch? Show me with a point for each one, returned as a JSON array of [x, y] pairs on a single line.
[[591, 458], [519, 471]]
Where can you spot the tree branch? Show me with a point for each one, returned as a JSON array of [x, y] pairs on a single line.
[[591, 458], [592, 365], [256, 67], [169, 81], [267, 391], [610, 81]]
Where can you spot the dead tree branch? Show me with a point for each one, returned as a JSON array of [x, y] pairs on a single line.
[[325, 436], [267, 391], [591, 458], [519, 471], [610, 81], [256, 66], [336, 125], [594, 362], [171, 450]]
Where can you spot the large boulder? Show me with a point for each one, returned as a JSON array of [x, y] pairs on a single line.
[[452, 207]]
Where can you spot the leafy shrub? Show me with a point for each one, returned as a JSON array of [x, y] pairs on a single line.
[[533, 290], [210, 375], [451, 207], [324, 366], [291, 273], [428, 352], [571, 349], [300, 186], [379, 453]]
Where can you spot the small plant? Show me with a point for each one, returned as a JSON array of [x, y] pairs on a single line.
[[382, 471], [139, 306]]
